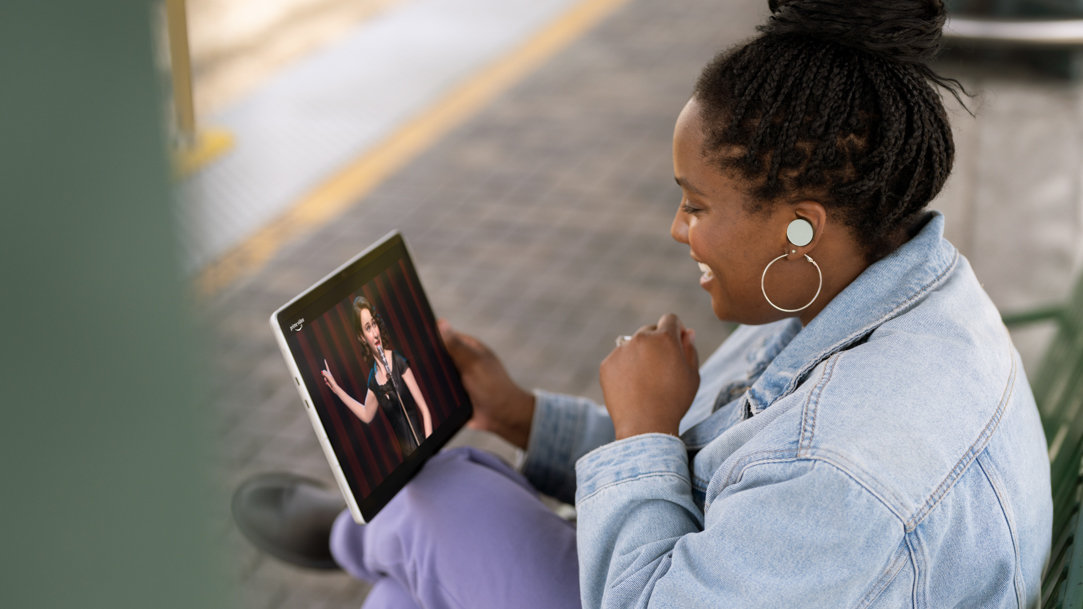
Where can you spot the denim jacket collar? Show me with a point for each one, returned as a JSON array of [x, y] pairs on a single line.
[[885, 289]]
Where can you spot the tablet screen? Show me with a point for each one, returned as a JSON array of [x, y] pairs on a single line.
[[374, 372]]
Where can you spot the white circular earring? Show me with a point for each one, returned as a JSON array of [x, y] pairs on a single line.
[[763, 289], [799, 233]]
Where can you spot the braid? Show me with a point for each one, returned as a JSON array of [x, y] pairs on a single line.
[[797, 115]]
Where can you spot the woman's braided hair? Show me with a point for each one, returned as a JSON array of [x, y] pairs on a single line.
[[834, 101]]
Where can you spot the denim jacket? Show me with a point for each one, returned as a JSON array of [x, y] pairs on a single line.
[[889, 454]]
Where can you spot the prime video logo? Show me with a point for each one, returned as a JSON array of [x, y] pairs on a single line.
[[297, 325]]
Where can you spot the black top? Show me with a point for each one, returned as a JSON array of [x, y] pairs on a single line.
[[399, 406]]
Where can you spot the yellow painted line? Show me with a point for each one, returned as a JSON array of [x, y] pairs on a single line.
[[351, 184], [209, 145]]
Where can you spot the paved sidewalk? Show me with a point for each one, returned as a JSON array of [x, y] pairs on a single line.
[[541, 225]]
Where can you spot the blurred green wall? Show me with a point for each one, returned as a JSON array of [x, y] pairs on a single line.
[[105, 492]]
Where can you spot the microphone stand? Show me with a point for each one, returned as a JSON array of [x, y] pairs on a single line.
[[395, 386]]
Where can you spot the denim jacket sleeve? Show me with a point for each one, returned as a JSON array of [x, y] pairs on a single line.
[[564, 429], [787, 527]]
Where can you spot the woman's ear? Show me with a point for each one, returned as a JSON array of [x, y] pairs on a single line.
[[805, 228]]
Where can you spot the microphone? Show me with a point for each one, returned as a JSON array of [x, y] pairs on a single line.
[[395, 386]]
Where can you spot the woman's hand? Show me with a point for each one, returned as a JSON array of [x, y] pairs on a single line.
[[500, 405], [649, 381], [329, 380]]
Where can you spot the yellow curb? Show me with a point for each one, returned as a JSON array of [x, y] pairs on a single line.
[[351, 184], [209, 145]]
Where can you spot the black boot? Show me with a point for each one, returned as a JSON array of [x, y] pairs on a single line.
[[289, 517]]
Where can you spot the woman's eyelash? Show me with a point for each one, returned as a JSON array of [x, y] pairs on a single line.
[[689, 209]]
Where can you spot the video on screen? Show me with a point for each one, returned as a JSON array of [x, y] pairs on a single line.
[[378, 376]]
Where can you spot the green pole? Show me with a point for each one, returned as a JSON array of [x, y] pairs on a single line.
[[106, 499]]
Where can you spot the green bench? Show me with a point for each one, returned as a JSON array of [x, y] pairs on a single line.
[[1058, 389]]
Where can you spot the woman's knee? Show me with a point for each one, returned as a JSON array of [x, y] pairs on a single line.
[[461, 483]]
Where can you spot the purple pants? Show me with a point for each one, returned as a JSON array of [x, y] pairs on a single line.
[[467, 532]]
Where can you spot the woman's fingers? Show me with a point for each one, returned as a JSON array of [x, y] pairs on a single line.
[[672, 325], [649, 382], [688, 341], [669, 324], [461, 347], [500, 405]]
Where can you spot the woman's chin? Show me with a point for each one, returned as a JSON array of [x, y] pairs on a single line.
[[725, 311], [721, 307], [720, 310]]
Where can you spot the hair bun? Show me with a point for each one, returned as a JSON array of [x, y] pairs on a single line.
[[904, 30]]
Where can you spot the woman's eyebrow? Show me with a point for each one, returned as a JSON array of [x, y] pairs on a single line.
[[683, 183]]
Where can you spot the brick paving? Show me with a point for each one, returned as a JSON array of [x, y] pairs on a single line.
[[541, 225]]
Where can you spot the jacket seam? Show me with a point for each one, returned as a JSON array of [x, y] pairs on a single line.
[[917, 592], [969, 456], [834, 465], [812, 407], [890, 573], [635, 478], [1009, 518], [737, 472]]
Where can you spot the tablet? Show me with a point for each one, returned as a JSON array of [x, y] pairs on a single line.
[[377, 383]]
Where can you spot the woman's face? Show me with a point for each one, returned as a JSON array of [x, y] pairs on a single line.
[[732, 244], [370, 330]]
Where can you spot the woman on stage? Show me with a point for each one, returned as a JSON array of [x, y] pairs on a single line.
[[391, 384]]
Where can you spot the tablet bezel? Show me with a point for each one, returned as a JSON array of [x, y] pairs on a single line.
[[320, 298]]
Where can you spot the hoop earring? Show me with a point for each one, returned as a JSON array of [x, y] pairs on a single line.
[[814, 297]]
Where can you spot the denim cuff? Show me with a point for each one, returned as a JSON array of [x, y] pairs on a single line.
[[564, 428], [646, 455]]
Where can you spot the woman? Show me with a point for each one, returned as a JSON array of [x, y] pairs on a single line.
[[866, 439], [391, 384]]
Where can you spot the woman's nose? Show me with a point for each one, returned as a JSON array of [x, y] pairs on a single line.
[[679, 229]]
